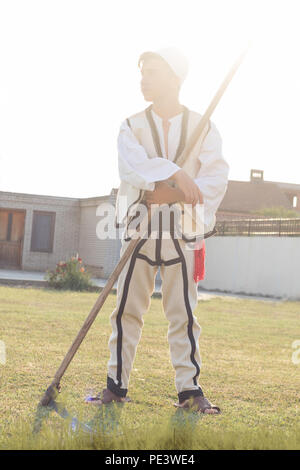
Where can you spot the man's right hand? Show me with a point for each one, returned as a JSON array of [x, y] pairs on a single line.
[[188, 186]]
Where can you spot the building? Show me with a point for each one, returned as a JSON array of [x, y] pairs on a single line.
[[244, 198], [36, 232]]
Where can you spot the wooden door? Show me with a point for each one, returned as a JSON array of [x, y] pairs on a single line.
[[11, 237]]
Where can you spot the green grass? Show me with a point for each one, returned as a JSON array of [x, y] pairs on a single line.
[[247, 370]]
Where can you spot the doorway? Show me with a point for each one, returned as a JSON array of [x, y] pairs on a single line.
[[12, 223]]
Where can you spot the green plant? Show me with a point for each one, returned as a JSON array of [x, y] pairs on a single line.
[[277, 212], [69, 275]]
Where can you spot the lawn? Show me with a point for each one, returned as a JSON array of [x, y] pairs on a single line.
[[247, 370]]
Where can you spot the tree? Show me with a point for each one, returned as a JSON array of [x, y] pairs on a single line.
[[278, 212]]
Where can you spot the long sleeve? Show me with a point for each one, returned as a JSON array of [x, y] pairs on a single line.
[[135, 167], [212, 178]]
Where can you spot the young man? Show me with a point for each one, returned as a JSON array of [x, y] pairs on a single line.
[[149, 145]]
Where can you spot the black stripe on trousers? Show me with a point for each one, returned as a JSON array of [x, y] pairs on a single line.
[[162, 262], [188, 309], [119, 317]]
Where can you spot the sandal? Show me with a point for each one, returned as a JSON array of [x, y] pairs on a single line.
[[198, 403], [107, 397]]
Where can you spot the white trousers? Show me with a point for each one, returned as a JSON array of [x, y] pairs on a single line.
[[179, 296]]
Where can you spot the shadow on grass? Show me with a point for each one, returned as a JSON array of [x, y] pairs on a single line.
[[183, 418], [105, 421], [182, 429]]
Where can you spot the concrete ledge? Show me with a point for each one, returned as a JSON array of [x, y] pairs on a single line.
[[21, 278], [23, 283]]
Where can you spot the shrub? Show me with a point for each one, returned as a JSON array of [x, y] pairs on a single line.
[[278, 212], [70, 275]]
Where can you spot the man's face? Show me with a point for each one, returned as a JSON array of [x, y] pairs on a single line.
[[157, 78]]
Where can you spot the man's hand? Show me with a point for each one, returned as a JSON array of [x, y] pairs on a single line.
[[192, 194], [163, 194], [187, 191]]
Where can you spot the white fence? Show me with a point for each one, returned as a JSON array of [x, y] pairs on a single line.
[[268, 266]]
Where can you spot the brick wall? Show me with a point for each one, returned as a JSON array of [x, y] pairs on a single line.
[[75, 232], [66, 232], [100, 256]]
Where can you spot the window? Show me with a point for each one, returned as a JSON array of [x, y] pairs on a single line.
[[295, 201], [11, 225], [3, 225], [42, 234]]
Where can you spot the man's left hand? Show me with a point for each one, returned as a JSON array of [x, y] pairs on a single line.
[[163, 194]]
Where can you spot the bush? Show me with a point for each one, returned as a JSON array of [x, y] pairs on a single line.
[[278, 212], [69, 275]]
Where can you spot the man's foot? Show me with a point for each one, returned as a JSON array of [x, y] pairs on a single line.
[[107, 397], [199, 403]]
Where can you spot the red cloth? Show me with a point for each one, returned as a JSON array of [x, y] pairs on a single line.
[[199, 263]]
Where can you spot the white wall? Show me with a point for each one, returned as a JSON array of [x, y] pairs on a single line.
[[268, 266]]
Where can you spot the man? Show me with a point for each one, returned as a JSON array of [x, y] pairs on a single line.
[[149, 145]]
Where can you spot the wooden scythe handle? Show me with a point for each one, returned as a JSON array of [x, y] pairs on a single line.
[[53, 389], [207, 115]]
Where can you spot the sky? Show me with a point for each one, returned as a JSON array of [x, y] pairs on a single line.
[[69, 77]]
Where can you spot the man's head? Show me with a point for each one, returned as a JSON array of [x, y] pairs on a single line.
[[162, 72]]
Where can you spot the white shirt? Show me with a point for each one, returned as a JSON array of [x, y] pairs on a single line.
[[140, 171], [173, 134]]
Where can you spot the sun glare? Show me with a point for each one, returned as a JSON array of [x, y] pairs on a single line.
[[63, 96]]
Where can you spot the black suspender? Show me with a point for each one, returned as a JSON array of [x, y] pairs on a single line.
[[183, 136], [154, 132], [155, 136]]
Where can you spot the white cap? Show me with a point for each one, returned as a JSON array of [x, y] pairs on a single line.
[[175, 59]]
